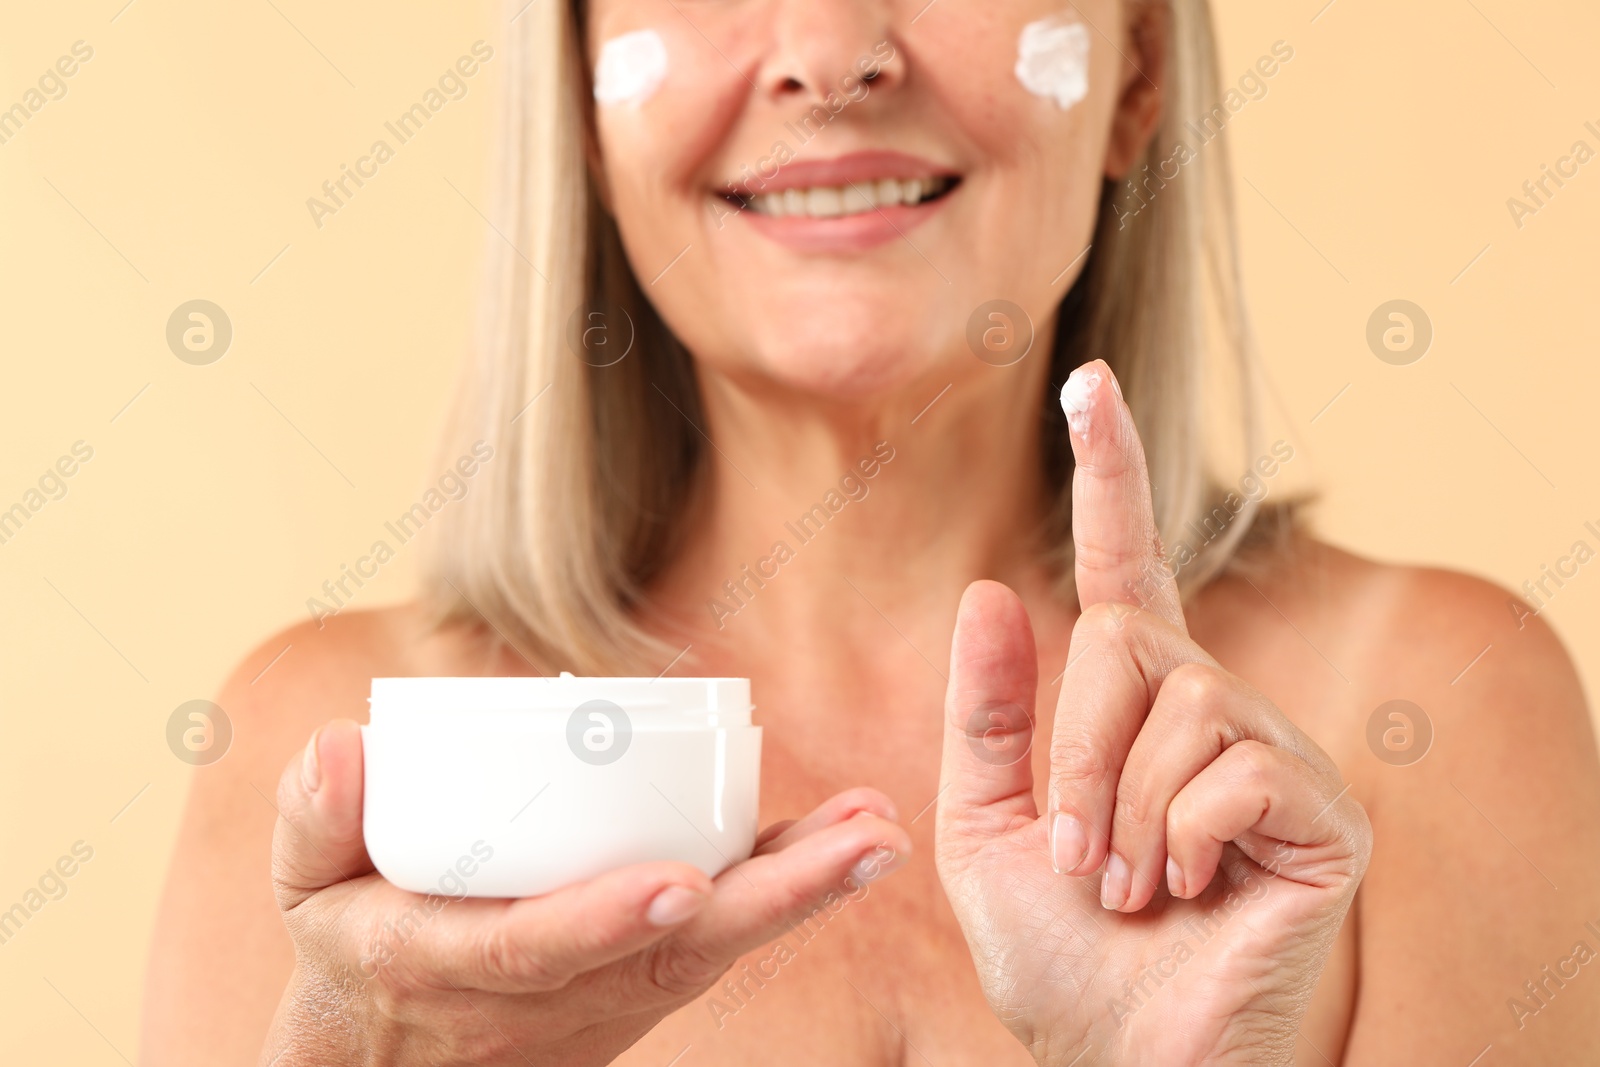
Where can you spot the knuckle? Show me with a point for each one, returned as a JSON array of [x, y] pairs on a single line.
[[1197, 698], [1079, 761], [680, 970], [986, 722], [1256, 765], [1360, 835], [1354, 825], [389, 978], [863, 798], [1182, 822], [283, 878], [1098, 555], [473, 1039], [1195, 688], [512, 961], [1189, 819], [781, 901], [394, 992], [1134, 804], [1107, 619]]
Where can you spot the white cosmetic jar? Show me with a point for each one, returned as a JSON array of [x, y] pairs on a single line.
[[513, 787]]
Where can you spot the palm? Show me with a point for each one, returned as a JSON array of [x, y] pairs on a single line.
[[1070, 967]]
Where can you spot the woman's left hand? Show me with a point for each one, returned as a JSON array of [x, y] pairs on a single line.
[[1227, 846]]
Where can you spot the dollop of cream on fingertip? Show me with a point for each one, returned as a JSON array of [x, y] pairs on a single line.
[[631, 69], [1077, 397], [1053, 59]]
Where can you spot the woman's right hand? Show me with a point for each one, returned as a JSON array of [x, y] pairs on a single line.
[[573, 977]]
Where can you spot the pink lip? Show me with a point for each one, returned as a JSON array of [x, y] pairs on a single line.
[[837, 173], [852, 233]]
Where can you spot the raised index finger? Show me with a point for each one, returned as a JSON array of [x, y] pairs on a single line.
[[1117, 547]]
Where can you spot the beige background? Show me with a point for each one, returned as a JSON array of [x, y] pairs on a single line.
[[219, 498]]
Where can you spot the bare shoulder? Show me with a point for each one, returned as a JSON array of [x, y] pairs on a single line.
[[218, 907], [314, 672], [306, 676], [275, 698], [1459, 721], [1341, 635], [309, 673]]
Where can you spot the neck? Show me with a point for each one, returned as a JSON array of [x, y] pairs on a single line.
[[836, 527]]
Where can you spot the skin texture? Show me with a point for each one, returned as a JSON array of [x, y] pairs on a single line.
[[873, 647]]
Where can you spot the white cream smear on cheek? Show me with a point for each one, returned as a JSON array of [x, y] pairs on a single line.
[[1053, 60], [631, 69]]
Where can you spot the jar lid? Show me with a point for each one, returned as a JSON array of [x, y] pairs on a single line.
[[666, 701]]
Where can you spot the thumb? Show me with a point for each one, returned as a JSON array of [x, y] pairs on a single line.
[[318, 840], [986, 778]]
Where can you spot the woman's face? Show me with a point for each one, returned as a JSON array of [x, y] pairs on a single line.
[[823, 193]]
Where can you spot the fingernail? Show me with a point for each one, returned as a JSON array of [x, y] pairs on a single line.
[[673, 905], [879, 862], [311, 764], [1068, 843], [1115, 885], [1077, 396], [1174, 878], [1117, 386]]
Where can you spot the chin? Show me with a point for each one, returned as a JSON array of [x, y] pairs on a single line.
[[845, 358]]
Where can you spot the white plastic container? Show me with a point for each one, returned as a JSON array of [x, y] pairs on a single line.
[[513, 787]]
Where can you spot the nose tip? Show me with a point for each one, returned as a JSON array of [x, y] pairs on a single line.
[[823, 46]]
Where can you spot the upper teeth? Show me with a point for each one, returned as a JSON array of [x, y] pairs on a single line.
[[855, 199]]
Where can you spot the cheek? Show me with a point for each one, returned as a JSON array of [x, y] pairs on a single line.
[[1036, 184], [1025, 90], [654, 152], [1034, 105], [667, 88], [663, 104]]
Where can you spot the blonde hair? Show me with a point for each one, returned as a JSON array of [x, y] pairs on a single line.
[[581, 505]]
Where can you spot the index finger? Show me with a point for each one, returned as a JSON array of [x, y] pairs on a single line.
[[1117, 548]]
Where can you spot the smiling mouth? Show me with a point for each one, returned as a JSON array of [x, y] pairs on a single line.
[[854, 198]]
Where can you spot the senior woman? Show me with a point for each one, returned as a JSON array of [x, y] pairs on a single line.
[[1080, 722]]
